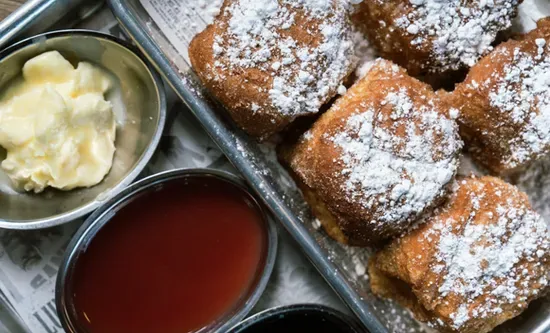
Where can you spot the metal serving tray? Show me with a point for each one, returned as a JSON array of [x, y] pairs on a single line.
[[342, 267]]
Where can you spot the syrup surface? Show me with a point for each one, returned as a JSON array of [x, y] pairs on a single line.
[[171, 261]]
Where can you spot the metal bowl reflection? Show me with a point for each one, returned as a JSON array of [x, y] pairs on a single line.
[[140, 108]]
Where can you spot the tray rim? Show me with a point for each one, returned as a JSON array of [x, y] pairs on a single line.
[[220, 135]]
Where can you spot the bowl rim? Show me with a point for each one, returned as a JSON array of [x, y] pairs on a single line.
[[98, 219], [249, 322], [141, 163]]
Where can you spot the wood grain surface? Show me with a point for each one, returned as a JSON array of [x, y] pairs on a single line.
[[8, 6]]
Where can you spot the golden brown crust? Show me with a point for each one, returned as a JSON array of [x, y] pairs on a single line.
[[318, 207], [429, 37], [385, 286], [328, 221], [367, 215], [474, 264], [230, 68], [372, 18], [541, 31], [498, 102], [238, 90]]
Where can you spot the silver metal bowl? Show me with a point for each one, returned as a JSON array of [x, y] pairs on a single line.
[[140, 109], [85, 235]]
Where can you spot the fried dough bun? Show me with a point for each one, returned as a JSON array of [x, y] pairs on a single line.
[[382, 155], [270, 61], [475, 263], [504, 103], [433, 36]]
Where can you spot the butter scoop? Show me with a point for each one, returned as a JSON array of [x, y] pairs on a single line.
[[56, 125]]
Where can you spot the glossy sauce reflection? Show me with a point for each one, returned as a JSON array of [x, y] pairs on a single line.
[[173, 260]]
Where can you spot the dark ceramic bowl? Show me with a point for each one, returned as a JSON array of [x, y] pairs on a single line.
[[299, 318]]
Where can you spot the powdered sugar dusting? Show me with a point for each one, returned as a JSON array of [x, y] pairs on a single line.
[[522, 93], [399, 176], [365, 52], [458, 32], [535, 181], [208, 8], [304, 75], [489, 265]]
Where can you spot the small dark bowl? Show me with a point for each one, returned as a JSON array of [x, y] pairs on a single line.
[[299, 318]]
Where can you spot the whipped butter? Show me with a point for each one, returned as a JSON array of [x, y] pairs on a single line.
[[56, 125]]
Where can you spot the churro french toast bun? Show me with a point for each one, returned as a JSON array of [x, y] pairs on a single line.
[[504, 103], [271, 61], [384, 154], [475, 263]]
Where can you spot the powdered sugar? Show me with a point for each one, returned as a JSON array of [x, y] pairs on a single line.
[[208, 8], [535, 181], [304, 75], [399, 176], [365, 52], [522, 93], [529, 12], [457, 32], [485, 263]]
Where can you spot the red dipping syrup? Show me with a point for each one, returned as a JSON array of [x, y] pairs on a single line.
[[171, 261]]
